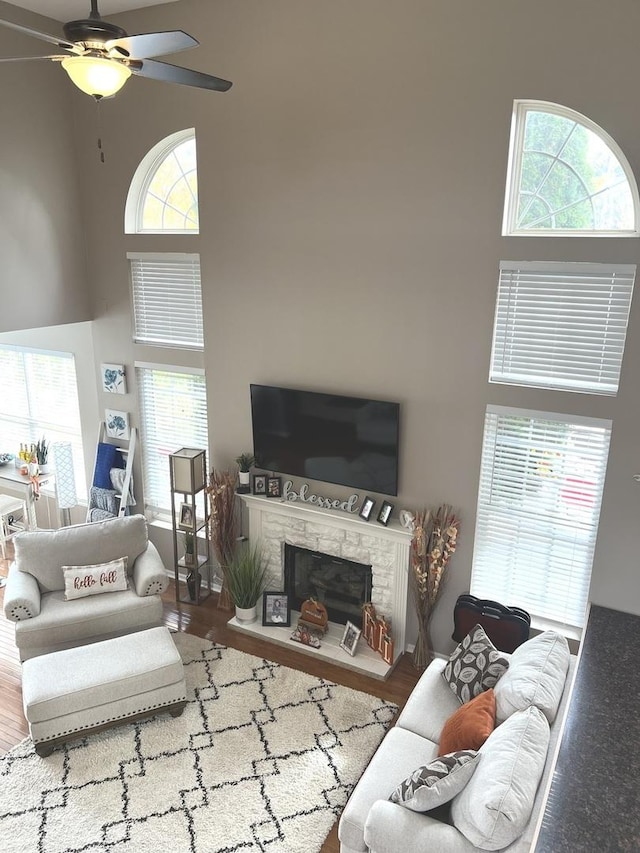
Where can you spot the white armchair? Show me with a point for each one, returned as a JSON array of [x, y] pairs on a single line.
[[35, 592]]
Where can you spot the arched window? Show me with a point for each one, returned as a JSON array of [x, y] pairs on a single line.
[[163, 196], [566, 176]]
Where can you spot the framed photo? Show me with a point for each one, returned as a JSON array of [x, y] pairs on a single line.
[[385, 512], [186, 518], [276, 609], [274, 487], [367, 508], [259, 484], [350, 638], [113, 378], [117, 424]]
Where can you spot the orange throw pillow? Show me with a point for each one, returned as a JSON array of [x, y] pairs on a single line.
[[470, 725]]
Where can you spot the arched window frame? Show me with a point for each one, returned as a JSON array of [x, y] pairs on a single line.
[[516, 149], [144, 174]]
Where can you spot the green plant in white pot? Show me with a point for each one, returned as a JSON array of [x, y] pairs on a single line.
[[42, 455], [244, 463], [246, 575]]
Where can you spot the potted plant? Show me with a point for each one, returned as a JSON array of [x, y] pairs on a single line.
[[42, 455], [244, 463], [247, 577]]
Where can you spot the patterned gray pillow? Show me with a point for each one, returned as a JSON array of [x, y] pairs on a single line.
[[438, 782], [474, 666]]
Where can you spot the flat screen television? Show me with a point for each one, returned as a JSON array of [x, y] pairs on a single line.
[[349, 441]]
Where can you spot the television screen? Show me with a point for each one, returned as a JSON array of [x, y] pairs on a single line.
[[345, 440]]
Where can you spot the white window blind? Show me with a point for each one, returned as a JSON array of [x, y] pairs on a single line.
[[561, 325], [40, 399], [173, 410], [167, 299], [541, 483]]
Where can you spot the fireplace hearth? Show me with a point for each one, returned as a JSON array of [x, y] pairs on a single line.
[[384, 550], [342, 585]]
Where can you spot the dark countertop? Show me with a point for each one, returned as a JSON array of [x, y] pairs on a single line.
[[594, 800]]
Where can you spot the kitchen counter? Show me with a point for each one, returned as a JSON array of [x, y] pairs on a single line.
[[593, 802]]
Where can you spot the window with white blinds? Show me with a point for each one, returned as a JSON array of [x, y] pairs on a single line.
[[40, 399], [561, 325], [173, 414], [541, 483], [167, 299]]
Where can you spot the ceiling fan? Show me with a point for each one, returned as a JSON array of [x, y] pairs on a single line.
[[100, 56]]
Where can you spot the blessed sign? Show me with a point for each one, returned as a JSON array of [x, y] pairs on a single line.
[[305, 496]]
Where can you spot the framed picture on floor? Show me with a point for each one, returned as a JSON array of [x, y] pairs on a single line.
[[276, 609], [350, 638]]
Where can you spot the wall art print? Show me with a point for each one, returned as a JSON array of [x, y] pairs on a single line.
[[114, 380], [117, 424]]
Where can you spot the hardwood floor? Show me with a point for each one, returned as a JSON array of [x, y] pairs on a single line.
[[204, 621]]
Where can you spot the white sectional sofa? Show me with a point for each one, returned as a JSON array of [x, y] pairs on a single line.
[[499, 807], [35, 592]]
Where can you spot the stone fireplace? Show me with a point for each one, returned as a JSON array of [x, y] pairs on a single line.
[[346, 536]]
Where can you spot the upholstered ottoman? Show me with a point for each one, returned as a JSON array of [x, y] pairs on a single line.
[[73, 692]]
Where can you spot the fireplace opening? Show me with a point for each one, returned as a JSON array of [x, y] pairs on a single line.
[[343, 586]]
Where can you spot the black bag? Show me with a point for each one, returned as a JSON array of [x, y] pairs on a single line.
[[506, 627]]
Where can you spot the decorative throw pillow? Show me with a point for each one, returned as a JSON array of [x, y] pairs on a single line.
[[474, 666], [436, 783], [92, 580], [470, 725]]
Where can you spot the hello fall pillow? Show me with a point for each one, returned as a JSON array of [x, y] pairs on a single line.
[[93, 580]]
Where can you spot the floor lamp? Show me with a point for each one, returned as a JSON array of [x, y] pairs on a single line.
[[66, 496]]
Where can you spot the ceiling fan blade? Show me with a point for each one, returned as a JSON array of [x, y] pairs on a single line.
[[176, 74], [31, 58], [151, 44], [27, 31]]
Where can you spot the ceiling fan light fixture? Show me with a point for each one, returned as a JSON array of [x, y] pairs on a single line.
[[96, 75]]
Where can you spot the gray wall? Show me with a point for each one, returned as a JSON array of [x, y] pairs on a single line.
[[351, 188], [43, 271]]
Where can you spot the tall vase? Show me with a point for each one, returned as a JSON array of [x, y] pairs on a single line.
[[224, 598], [422, 650]]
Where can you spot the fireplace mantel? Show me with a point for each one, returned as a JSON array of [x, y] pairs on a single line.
[[274, 522]]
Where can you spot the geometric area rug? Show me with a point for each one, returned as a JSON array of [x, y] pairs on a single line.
[[263, 758]]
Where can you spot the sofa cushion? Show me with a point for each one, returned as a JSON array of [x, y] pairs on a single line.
[[43, 553], [80, 581], [536, 676], [495, 806], [430, 704], [436, 783], [396, 758], [470, 725], [474, 666], [62, 624]]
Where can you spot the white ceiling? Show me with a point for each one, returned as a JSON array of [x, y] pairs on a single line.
[[72, 10]]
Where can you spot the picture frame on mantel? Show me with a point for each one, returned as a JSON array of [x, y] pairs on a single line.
[[385, 513], [274, 487], [259, 484], [367, 508]]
